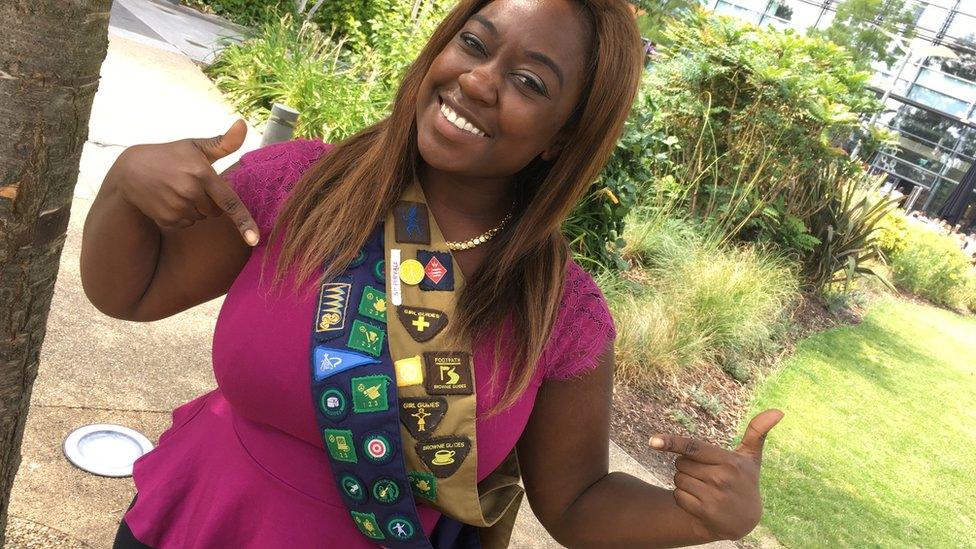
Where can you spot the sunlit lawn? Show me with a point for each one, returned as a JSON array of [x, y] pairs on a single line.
[[878, 445]]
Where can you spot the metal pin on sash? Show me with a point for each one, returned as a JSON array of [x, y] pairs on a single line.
[[396, 297]]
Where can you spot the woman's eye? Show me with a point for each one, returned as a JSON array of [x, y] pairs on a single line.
[[471, 42], [531, 83]]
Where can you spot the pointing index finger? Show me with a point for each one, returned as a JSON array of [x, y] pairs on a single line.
[[692, 448], [224, 196]]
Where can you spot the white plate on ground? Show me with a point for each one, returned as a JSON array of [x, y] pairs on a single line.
[[105, 449]]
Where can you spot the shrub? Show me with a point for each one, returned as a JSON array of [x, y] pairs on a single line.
[[931, 265], [892, 235], [690, 301], [336, 91], [251, 13], [753, 119]]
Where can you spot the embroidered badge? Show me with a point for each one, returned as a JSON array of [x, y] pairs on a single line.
[[411, 272], [411, 223], [422, 415], [353, 488], [400, 528], [366, 522], [438, 270], [359, 259], [333, 301], [444, 455], [379, 271], [378, 448], [386, 490], [422, 324], [423, 484], [409, 371], [330, 361], [373, 304], [369, 394], [341, 447], [448, 373], [333, 403], [366, 338]]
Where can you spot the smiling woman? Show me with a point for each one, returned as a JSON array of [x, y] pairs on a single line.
[[380, 400]]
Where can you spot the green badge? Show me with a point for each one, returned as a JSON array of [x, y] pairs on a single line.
[[353, 488], [333, 403], [423, 484], [373, 304], [377, 448], [359, 259], [379, 271], [369, 393], [366, 338], [366, 522], [386, 490], [340, 444], [400, 528]]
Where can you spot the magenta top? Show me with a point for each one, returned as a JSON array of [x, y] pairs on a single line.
[[244, 465]]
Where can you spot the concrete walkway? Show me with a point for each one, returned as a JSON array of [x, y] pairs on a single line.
[[95, 369]]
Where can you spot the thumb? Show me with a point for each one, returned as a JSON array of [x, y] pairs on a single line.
[[215, 148], [755, 436]]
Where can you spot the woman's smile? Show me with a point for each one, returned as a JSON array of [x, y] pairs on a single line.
[[452, 129]]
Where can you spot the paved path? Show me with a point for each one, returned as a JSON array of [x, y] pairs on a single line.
[[96, 369]]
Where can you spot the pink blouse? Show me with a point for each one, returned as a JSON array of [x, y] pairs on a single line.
[[244, 465]]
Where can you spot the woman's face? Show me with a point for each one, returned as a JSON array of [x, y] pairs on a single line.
[[514, 71]]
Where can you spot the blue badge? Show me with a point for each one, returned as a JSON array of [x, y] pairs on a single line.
[[329, 361]]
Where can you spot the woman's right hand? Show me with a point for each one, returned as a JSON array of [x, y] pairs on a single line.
[[175, 184]]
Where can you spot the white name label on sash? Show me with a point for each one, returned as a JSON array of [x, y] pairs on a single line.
[[396, 297]]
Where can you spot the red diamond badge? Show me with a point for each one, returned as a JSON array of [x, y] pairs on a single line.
[[434, 270]]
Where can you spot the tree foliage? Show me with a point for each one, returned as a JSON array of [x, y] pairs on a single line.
[[861, 26]]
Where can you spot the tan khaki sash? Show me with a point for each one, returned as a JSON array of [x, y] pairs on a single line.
[[448, 373]]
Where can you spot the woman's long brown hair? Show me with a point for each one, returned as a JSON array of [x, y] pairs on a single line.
[[339, 201]]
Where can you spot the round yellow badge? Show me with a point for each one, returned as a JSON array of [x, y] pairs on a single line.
[[411, 272]]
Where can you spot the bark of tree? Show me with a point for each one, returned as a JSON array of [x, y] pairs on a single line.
[[50, 55]]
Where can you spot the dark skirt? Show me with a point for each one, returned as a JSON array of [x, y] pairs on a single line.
[[124, 538]]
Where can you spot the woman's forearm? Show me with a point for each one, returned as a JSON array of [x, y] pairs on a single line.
[[623, 511]]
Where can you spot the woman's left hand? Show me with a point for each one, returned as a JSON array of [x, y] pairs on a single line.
[[719, 488]]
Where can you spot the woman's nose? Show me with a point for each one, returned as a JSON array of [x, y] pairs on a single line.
[[479, 84]]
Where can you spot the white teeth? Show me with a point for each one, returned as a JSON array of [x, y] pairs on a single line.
[[459, 121]]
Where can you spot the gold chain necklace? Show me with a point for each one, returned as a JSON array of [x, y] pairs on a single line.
[[455, 245]]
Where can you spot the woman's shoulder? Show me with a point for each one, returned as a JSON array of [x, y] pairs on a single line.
[[583, 330], [265, 176]]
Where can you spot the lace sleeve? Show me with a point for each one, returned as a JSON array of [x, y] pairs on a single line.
[[583, 330], [265, 176]]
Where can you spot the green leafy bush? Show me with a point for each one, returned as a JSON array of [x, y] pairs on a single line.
[[933, 266], [690, 301], [337, 92], [892, 236], [595, 228], [754, 118], [251, 13]]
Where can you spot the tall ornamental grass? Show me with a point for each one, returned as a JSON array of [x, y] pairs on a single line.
[[694, 301]]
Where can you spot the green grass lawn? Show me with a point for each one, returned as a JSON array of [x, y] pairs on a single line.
[[878, 444]]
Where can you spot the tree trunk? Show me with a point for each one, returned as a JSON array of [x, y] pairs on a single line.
[[50, 55]]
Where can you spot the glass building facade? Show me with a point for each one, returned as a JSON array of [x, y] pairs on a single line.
[[930, 104]]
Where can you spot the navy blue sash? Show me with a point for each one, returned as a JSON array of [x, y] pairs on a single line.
[[355, 398]]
